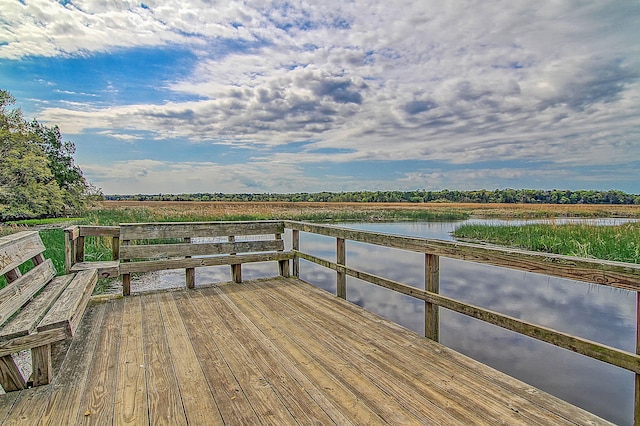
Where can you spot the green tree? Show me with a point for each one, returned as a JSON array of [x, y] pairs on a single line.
[[38, 176]]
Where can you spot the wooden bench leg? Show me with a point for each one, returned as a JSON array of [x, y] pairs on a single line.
[[41, 361], [10, 377], [236, 273]]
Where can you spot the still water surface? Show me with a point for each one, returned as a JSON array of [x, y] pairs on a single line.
[[594, 312]]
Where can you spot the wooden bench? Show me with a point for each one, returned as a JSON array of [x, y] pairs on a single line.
[[37, 309], [146, 247]]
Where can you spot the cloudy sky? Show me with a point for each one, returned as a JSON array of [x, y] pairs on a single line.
[[287, 96]]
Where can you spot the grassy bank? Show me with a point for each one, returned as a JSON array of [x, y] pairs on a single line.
[[617, 243]]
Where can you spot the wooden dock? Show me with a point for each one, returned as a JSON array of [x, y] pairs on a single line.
[[276, 351]]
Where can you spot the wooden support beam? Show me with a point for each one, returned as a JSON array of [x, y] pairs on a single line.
[[636, 400], [190, 273], [341, 277], [80, 249], [10, 377], [69, 254], [432, 284], [41, 362], [295, 245]]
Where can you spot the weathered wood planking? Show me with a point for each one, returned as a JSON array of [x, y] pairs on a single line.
[[138, 231], [29, 317], [197, 249], [166, 264], [586, 347], [14, 296], [15, 249], [275, 351], [69, 308], [608, 273]]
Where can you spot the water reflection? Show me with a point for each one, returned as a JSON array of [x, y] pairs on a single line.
[[593, 312]]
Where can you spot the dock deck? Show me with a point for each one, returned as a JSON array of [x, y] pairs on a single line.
[[276, 351]]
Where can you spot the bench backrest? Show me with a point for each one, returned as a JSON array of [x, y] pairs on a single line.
[[146, 241], [16, 250]]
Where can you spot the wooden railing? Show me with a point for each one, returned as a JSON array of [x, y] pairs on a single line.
[[75, 247], [612, 274]]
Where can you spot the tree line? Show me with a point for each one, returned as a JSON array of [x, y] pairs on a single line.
[[38, 176], [532, 196]]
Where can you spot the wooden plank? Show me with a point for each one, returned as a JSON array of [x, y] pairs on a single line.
[[265, 402], [28, 406], [10, 376], [63, 405], [277, 371], [15, 249], [159, 265], [139, 231], [601, 272], [430, 355], [6, 404], [106, 269], [426, 376], [29, 317], [165, 405], [139, 251], [586, 347], [98, 399], [131, 393], [197, 400], [31, 341], [14, 296], [68, 310], [98, 231], [232, 402], [356, 378]]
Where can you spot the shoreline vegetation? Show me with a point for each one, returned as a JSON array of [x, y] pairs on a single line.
[[616, 243]]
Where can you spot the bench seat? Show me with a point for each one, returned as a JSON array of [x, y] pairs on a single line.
[[106, 269], [37, 309]]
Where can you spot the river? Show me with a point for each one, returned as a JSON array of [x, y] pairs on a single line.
[[594, 312]]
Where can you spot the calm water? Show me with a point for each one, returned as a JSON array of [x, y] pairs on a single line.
[[593, 312]]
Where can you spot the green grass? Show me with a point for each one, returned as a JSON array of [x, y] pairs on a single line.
[[48, 221], [618, 243], [141, 214]]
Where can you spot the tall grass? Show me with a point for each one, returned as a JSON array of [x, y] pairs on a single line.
[[617, 243], [178, 213]]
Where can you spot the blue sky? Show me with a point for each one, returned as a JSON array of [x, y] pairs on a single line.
[[285, 96]]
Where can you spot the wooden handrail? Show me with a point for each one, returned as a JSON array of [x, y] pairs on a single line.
[[612, 274]]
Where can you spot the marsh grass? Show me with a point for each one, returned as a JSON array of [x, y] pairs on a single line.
[[617, 243]]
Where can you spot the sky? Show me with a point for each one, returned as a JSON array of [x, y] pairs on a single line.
[[288, 96]]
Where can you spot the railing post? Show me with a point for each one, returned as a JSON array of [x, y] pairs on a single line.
[[341, 277], [295, 245], [236, 270], [636, 404], [70, 235], [190, 273], [115, 248], [432, 284], [79, 249], [126, 278]]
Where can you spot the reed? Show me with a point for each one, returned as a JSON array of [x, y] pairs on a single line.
[[617, 243]]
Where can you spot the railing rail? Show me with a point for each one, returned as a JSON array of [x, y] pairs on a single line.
[[612, 274]]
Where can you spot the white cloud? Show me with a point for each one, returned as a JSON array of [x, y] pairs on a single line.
[[460, 82]]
